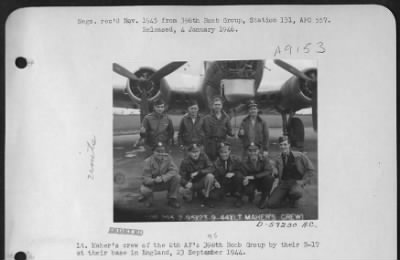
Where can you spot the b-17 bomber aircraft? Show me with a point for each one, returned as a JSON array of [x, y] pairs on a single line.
[[276, 85]]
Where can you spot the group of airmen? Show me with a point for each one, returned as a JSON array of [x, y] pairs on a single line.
[[209, 170]]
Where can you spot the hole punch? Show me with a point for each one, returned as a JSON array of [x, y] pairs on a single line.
[[20, 256], [21, 62]]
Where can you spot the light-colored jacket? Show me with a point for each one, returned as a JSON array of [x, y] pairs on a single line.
[[165, 168]]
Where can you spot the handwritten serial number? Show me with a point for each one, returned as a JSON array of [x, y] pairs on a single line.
[[307, 48]]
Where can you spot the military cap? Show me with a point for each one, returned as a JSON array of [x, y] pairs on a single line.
[[251, 104], [159, 146], [283, 139], [223, 146], [217, 98], [159, 102], [193, 147], [253, 146]]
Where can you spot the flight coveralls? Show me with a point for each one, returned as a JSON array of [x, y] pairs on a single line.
[[234, 184], [297, 166], [164, 168], [263, 173], [257, 133], [203, 182], [216, 131], [158, 128]]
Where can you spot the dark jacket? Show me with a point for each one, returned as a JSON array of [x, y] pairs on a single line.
[[233, 164], [217, 128], [203, 165], [262, 168], [159, 128], [303, 164], [189, 132], [261, 133]]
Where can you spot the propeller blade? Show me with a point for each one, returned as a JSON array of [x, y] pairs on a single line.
[[314, 106], [144, 106], [124, 72], [167, 69], [291, 69]]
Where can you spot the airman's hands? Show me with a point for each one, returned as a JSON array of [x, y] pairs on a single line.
[[158, 179], [189, 185], [194, 174], [229, 175]]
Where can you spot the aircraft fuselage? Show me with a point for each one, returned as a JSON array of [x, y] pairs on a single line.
[[234, 80]]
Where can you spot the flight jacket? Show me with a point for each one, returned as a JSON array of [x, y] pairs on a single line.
[[303, 165], [261, 135], [165, 168]]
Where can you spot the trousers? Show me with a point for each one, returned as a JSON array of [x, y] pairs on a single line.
[[204, 185], [172, 186], [233, 185], [211, 147], [263, 184], [285, 189]]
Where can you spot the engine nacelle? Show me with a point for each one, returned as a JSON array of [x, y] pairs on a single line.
[[296, 93], [153, 88]]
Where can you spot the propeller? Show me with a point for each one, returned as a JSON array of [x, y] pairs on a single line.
[[145, 85], [291, 69], [166, 70], [311, 83], [124, 72]]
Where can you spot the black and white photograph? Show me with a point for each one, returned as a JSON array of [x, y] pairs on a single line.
[[224, 140], [200, 132]]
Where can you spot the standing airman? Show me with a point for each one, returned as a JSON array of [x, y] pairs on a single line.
[[157, 127], [191, 127], [217, 126], [254, 129]]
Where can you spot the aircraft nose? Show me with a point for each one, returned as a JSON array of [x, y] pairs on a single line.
[[235, 90]]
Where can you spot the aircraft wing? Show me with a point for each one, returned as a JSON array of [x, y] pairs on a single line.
[[268, 101], [121, 99], [184, 84]]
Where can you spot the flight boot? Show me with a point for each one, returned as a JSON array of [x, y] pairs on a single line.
[[207, 202], [173, 203], [263, 201]]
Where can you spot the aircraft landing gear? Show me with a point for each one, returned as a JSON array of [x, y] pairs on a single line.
[[284, 124], [294, 129], [296, 133]]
